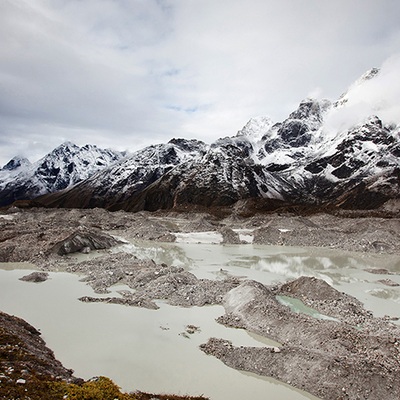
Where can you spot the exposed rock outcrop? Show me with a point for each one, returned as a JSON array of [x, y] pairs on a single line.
[[83, 241], [35, 277]]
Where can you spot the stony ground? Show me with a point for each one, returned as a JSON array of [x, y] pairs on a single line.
[[355, 357], [351, 356]]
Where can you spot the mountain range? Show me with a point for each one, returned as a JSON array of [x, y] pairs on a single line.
[[65, 166], [344, 153]]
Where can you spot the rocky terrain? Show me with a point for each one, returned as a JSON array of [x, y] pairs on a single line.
[[352, 357], [343, 352], [39, 235]]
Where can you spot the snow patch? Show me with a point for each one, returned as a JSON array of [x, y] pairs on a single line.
[[199, 237]]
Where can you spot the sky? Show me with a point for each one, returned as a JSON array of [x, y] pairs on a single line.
[[124, 74]]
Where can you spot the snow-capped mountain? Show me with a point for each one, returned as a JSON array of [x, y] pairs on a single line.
[[63, 167], [117, 183], [344, 153], [16, 163], [297, 161]]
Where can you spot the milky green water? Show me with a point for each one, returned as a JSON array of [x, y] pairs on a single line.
[[148, 350], [272, 264]]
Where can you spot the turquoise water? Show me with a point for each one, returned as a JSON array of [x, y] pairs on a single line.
[[299, 307]]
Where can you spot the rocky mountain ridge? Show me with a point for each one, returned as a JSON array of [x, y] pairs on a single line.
[[63, 167], [325, 154]]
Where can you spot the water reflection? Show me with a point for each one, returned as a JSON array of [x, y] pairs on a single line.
[[135, 346], [346, 271]]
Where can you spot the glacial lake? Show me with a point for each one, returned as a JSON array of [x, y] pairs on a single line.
[[148, 350]]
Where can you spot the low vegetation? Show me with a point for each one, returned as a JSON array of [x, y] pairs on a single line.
[[101, 388]]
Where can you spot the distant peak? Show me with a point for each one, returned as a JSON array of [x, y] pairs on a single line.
[[68, 144], [310, 107], [370, 74], [256, 127], [367, 76], [16, 162]]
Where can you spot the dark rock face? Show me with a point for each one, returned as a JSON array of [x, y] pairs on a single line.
[[16, 163], [295, 133]]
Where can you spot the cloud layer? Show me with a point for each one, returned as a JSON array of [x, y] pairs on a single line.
[[124, 74]]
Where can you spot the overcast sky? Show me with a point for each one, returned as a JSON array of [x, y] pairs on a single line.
[[128, 73]]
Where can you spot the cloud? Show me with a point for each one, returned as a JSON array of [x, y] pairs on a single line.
[[377, 96], [380, 95], [129, 73]]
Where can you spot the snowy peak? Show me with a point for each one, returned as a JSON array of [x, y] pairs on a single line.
[[16, 163], [61, 168], [188, 145], [377, 92], [256, 128], [134, 173], [344, 98], [311, 111], [369, 75], [69, 164]]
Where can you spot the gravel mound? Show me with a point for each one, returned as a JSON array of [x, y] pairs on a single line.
[[330, 359]]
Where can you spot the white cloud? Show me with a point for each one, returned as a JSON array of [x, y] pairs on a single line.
[[379, 96], [128, 73]]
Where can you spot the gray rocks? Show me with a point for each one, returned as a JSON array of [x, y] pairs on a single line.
[[149, 282], [319, 356], [229, 236], [35, 277], [377, 235], [357, 353], [388, 282], [84, 241]]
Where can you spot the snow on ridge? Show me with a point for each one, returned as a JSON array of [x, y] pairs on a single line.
[[63, 167], [142, 167], [256, 128]]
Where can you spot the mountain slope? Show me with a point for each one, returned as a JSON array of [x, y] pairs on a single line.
[[117, 183], [63, 167]]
